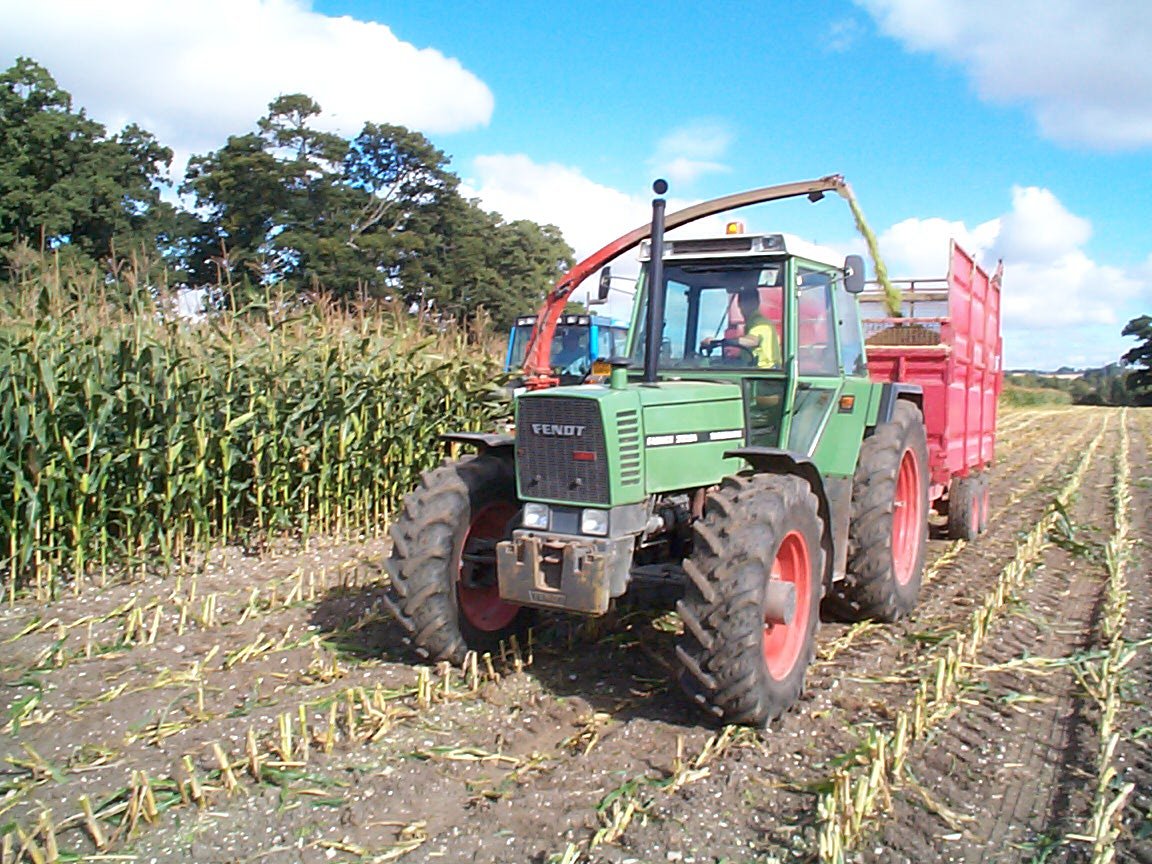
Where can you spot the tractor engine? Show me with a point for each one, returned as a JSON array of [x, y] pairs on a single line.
[[578, 470], [607, 476]]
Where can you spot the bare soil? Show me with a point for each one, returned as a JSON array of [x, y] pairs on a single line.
[[579, 745]]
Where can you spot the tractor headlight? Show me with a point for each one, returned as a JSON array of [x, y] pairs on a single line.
[[536, 516], [594, 522]]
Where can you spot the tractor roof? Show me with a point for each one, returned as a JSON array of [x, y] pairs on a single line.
[[743, 246]]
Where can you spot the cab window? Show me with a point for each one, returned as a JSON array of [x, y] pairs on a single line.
[[815, 334], [851, 340], [720, 314]]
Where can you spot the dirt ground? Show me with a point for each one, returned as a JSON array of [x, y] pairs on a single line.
[[267, 709]]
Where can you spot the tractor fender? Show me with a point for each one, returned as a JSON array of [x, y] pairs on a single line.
[[773, 460], [891, 392], [484, 442]]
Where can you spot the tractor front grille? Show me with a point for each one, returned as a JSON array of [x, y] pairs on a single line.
[[560, 450]]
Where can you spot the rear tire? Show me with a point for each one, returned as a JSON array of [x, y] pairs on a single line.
[[984, 500], [443, 586], [735, 662], [888, 532], [965, 497]]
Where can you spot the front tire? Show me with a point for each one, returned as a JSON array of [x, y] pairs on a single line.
[[443, 586], [888, 532], [739, 659]]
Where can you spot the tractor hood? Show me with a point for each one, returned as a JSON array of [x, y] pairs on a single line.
[[595, 445]]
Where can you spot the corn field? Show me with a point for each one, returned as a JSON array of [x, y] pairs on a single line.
[[266, 707], [127, 437]]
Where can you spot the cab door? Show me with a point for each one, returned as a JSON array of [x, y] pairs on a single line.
[[818, 379], [839, 443]]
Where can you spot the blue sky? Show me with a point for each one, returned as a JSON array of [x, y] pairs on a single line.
[[945, 117]]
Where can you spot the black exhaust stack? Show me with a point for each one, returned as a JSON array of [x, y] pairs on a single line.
[[654, 321]]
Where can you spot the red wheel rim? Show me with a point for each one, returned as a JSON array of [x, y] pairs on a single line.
[[907, 518], [783, 643], [481, 605]]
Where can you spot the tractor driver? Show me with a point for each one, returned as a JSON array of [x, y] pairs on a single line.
[[573, 356], [759, 338]]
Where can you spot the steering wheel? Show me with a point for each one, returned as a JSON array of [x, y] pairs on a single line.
[[727, 343]]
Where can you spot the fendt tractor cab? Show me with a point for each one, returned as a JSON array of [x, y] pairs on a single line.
[[738, 447], [579, 342]]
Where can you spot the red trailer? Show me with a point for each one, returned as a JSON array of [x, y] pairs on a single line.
[[948, 342]]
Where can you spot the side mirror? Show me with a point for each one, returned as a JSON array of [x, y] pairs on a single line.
[[605, 284], [854, 274]]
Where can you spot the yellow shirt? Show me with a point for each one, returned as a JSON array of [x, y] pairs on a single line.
[[767, 350]]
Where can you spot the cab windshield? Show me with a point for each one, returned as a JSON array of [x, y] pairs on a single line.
[[569, 344], [719, 314]]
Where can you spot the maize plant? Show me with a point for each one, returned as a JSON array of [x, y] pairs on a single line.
[[128, 439]]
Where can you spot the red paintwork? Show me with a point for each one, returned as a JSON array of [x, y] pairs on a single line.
[[783, 643], [481, 604], [907, 520], [961, 376], [537, 366]]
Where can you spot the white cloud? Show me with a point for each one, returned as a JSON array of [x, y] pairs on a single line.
[[918, 248], [589, 214], [691, 151], [1067, 292], [193, 74], [1058, 303], [1083, 65], [1039, 229]]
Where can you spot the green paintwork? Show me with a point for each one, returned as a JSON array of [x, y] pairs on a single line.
[[611, 403], [689, 408], [669, 408]]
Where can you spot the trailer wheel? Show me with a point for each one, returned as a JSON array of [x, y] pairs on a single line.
[[752, 600], [984, 499], [965, 507], [888, 531], [443, 586]]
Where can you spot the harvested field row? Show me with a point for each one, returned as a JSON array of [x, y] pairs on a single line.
[[1004, 779], [594, 760], [1133, 753], [845, 809]]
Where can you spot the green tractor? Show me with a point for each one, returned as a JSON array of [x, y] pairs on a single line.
[[739, 450]]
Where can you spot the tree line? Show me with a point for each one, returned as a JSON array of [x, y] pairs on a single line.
[[284, 207], [1128, 382]]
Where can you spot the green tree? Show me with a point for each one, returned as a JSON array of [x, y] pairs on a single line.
[[65, 184], [479, 260], [261, 194], [379, 216], [377, 232], [530, 258], [310, 210], [1140, 357]]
